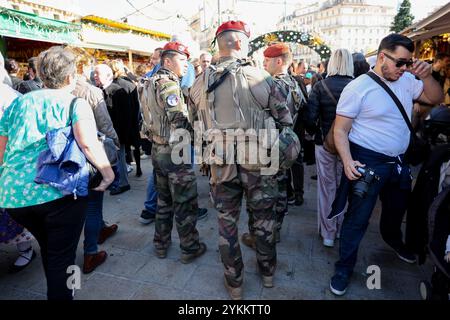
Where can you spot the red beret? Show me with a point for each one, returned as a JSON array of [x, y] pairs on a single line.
[[276, 50], [178, 47], [234, 26]]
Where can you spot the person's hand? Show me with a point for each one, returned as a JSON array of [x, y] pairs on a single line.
[[103, 185], [447, 257], [350, 169], [106, 181], [421, 69]]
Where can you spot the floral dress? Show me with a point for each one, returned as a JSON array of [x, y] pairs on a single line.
[[10, 231]]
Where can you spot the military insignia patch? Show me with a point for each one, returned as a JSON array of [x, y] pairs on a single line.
[[173, 100]]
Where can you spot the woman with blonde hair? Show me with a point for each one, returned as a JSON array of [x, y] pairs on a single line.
[[319, 116]]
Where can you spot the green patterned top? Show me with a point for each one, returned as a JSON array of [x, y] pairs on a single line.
[[25, 123]]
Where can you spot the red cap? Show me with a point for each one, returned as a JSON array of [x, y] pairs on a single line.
[[234, 26], [178, 47], [276, 50]]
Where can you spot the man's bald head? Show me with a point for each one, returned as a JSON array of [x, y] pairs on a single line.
[[233, 43], [103, 75]]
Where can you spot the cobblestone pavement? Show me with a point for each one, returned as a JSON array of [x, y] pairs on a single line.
[[132, 271]]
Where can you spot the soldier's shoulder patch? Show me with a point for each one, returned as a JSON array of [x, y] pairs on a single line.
[[172, 100]]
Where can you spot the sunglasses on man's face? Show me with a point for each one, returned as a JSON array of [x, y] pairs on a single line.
[[400, 62]]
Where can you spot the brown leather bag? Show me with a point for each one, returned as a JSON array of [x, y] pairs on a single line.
[[328, 141]]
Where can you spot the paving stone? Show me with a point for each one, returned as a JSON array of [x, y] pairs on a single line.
[[107, 287], [123, 263], [158, 292], [168, 272], [210, 281], [304, 268], [10, 293]]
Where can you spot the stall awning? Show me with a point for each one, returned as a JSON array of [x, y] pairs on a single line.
[[98, 37], [435, 24], [18, 24], [124, 26], [102, 46]]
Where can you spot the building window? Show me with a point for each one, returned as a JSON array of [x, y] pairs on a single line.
[[56, 16], [15, 7], [36, 12]]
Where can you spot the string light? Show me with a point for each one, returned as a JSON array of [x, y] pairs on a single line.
[[313, 42]]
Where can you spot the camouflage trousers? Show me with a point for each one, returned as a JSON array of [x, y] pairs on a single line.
[[177, 196], [229, 183], [281, 206]]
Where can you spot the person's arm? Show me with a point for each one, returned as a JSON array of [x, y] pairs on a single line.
[[342, 128], [174, 105], [432, 90], [103, 120], [278, 106], [3, 142], [85, 132]]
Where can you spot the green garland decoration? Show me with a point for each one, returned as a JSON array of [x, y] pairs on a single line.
[[106, 28], [34, 22], [301, 38]]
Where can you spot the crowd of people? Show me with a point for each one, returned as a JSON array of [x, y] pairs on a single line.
[[338, 101]]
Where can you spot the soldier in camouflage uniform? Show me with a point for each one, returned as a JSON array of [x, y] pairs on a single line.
[[221, 96], [166, 111], [277, 58]]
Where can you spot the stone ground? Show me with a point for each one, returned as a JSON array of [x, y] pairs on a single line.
[[132, 271]]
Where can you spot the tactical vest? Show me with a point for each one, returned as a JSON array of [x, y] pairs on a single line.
[[156, 116], [295, 98], [231, 104]]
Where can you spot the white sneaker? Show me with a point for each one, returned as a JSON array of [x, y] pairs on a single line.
[[129, 168], [328, 243]]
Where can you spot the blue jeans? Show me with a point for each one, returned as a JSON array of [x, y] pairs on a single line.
[[122, 165], [152, 196], [392, 187], [150, 203], [94, 221]]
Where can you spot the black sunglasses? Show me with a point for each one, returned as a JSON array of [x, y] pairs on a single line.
[[400, 63]]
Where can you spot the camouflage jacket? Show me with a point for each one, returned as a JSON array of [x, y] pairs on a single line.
[[291, 92], [170, 105]]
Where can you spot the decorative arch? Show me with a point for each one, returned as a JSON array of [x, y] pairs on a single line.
[[302, 38]]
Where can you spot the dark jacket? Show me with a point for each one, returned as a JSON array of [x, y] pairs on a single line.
[[30, 85], [131, 113], [118, 104], [423, 194], [96, 100], [321, 110]]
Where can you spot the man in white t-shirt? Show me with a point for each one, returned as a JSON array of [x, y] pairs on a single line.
[[370, 132]]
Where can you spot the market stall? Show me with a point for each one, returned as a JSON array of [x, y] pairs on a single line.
[[107, 39], [24, 35], [431, 34]]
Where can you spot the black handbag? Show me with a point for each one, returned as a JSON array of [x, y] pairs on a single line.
[[95, 177], [418, 149]]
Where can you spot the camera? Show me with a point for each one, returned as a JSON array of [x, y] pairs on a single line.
[[361, 186]]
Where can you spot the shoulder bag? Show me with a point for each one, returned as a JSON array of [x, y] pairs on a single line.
[[328, 141]]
